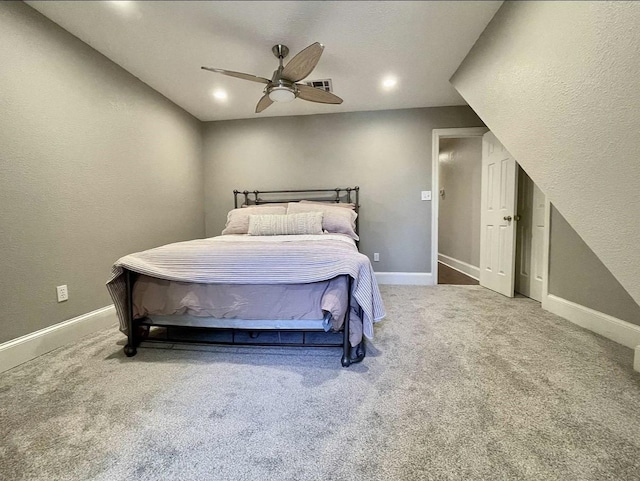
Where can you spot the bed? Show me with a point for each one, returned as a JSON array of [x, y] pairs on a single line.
[[253, 281]]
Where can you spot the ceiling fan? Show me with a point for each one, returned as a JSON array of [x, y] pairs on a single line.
[[283, 86]]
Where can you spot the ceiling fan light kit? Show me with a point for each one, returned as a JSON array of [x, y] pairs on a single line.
[[283, 86], [282, 94]]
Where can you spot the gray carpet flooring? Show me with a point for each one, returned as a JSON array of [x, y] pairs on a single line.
[[459, 384]]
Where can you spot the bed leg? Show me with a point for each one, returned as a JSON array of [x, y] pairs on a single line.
[[346, 346], [346, 360], [361, 349], [130, 349]]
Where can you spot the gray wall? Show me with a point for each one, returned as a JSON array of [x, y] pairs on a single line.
[[459, 216], [386, 153], [576, 274], [93, 165], [557, 83]]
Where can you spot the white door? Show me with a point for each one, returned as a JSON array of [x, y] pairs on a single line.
[[530, 238], [498, 205]]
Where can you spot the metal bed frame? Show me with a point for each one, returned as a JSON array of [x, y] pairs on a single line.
[[335, 196], [139, 329]]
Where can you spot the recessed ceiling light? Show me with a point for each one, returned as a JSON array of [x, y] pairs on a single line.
[[126, 7], [220, 95], [389, 82]]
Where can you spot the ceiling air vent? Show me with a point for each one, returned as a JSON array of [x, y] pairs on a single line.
[[324, 84]]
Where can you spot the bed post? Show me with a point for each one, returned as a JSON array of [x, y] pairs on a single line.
[[361, 349], [130, 349], [357, 208], [346, 346]]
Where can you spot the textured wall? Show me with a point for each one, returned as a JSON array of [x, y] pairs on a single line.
[[557, 82], [93, 165], [386, 153], [459, 216], [576, 274]]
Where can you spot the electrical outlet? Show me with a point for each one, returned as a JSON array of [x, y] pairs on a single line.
[[63, 293], [376, 257], [425, 195]]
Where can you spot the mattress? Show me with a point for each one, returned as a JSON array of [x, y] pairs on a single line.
[[270, 267]]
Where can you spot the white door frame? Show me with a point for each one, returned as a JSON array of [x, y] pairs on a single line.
[[545, 252], [435, 181]]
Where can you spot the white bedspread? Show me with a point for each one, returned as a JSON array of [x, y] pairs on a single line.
[[242, 259]]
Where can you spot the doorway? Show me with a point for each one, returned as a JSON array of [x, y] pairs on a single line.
[[459, 194], [438, 136], [530, 237], [460, 253]]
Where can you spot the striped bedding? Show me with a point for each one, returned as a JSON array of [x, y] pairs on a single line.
[[242, 259]]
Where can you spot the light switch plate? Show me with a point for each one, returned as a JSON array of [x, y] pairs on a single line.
[[426, 195]]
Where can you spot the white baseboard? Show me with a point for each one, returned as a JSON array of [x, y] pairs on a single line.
[[405, 278], [468, 269], [30, 346], [617, 330]]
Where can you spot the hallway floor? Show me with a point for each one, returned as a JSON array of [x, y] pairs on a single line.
[[447, 275]]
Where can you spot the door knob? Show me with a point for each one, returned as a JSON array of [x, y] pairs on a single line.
[[507, 218]]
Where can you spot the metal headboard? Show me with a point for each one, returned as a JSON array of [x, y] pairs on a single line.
[[334, 196]]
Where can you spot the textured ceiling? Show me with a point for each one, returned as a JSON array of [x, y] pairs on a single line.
[[165, 43]]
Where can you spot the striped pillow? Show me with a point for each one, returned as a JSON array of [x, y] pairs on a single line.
[[287, 224]]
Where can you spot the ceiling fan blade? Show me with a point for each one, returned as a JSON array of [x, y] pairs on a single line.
[[263, 103], [313, 94], [302, 64], [244, 76]]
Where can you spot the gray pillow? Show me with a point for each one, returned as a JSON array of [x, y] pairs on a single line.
[[262, 206], [288, 224], [336, 220], [238, 219], [344, 205]]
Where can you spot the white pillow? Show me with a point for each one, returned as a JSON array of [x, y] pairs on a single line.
[[238, 219], [288, 224]]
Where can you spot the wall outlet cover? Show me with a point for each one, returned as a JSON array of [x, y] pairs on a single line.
[[63, 293]]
